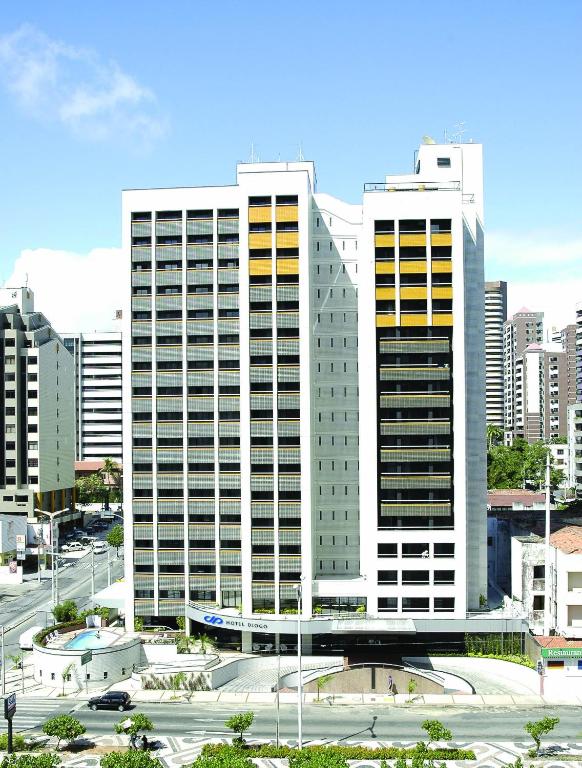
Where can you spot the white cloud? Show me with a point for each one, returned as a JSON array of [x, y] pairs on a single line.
[[76, 292], [93, 98], [542, 270]]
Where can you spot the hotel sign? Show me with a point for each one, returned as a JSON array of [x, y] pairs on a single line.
[[562, 653]]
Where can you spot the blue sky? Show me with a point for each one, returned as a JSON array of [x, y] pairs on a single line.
[[95, 98]]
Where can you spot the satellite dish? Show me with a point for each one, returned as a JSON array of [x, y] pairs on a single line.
[[428, 140]]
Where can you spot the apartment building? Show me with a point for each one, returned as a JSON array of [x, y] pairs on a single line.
[[495, 316], [521, 330], [98, 413], [305, 401], [36, 416], [575, 448], [579, 353]]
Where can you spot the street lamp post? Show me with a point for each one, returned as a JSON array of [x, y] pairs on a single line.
[[299, 673], [548, 557], [54, 551], [92, 570]]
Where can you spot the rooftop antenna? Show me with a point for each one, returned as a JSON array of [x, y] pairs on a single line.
[[253, 158], [300, 157], [459, 130], [26, 281]]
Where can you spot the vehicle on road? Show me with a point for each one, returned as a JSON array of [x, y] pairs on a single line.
[[111, 700], [100, 546], [72, 546], [25, 639], [88, 540]]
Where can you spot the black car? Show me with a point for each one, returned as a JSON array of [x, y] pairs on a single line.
[[111, 700]]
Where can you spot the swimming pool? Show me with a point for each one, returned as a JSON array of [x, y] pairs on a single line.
[[90, 640]]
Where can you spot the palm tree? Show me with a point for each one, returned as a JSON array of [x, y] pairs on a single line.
[[494, 435], [111, 475]]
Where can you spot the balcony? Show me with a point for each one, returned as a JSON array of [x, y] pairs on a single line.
[[392, 455]]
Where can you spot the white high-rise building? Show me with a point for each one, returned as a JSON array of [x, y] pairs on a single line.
[[97, 359], [304, 385], [495, 316], [36, 417]]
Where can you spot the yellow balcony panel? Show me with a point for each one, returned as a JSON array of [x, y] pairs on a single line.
[[442, 319], [413, 240], [385, 321], [260, 214], [287, 266], [287, 213], [260, 240], [443, 292], [412, 320], [411, 267], [385, 293], [385, 267], [441, 238], [260, 267], [416, 292], [287, 239], [384, 241], [442, 266]]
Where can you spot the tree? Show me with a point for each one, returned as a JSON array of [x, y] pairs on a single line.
[[66, 673], [539, 728], [436, 731], [133, 725], [46, 760], [65, 611], [204, 642], [91, 489], [133, 759], [64, 728], [239, 724], [110, 474], [321, 682], [494, 435], [115, 537]]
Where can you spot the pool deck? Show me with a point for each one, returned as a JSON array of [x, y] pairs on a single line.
[[119, 637]]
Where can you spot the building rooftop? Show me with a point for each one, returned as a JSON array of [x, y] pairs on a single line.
[[568, 539], [556, 641], [507, 497]]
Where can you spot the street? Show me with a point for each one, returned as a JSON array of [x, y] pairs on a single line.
[[74, 583], [319, 721]]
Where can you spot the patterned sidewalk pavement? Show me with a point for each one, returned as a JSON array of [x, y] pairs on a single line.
[[176, 752]]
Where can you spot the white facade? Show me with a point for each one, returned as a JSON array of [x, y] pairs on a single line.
[[528, 580], [37, 457], [98, 392], [256, 386], [495, 316]]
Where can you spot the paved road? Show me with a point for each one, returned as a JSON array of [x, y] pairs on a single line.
[[74, 583], [319, 721]]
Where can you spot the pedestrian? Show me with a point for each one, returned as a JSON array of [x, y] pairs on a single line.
[[390, 683], [132, 741], [144, 743]]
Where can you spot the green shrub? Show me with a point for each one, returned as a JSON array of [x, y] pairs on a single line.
[[342, 751], [240, 723], [27, 760], [18, 742], [65, 611], [303, 759], [539, 728], [231, 757], [139, 722], [135, 758]]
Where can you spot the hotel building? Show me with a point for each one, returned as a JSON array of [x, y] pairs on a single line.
[[304, 395]]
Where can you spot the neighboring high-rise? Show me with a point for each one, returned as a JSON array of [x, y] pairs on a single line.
[[36, 415], [305, 394], [521, 330], [98, 392], [495, 316], [568, 342], [579, 352]]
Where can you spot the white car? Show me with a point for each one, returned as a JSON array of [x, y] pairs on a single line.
[[100, 546], [72, 546], [25, 640]]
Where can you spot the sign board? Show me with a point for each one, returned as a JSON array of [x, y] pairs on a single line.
[[20, 546], [86, 657], [562, 653], [10, 706], [13, 566]]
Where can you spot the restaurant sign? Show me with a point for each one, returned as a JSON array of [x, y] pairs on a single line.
[[562, 653]]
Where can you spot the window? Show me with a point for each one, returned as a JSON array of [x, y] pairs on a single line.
[[387, 603], [387, 550], [387, 577], [539, 571], [444, 550], [415, 577], [538, 602], [444, 604], [443, 162], [444, 577]]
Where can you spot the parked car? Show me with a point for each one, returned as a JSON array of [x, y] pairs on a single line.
[[73, 546], [100, 546], [87, 540], [25, 639], [111, 700]]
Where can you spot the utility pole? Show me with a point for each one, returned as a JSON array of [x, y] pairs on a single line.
[[548, 553], [54, 553], [92, 571], [3, 665], [299, 673]]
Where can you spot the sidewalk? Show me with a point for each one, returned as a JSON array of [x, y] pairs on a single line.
[[182, 751]]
